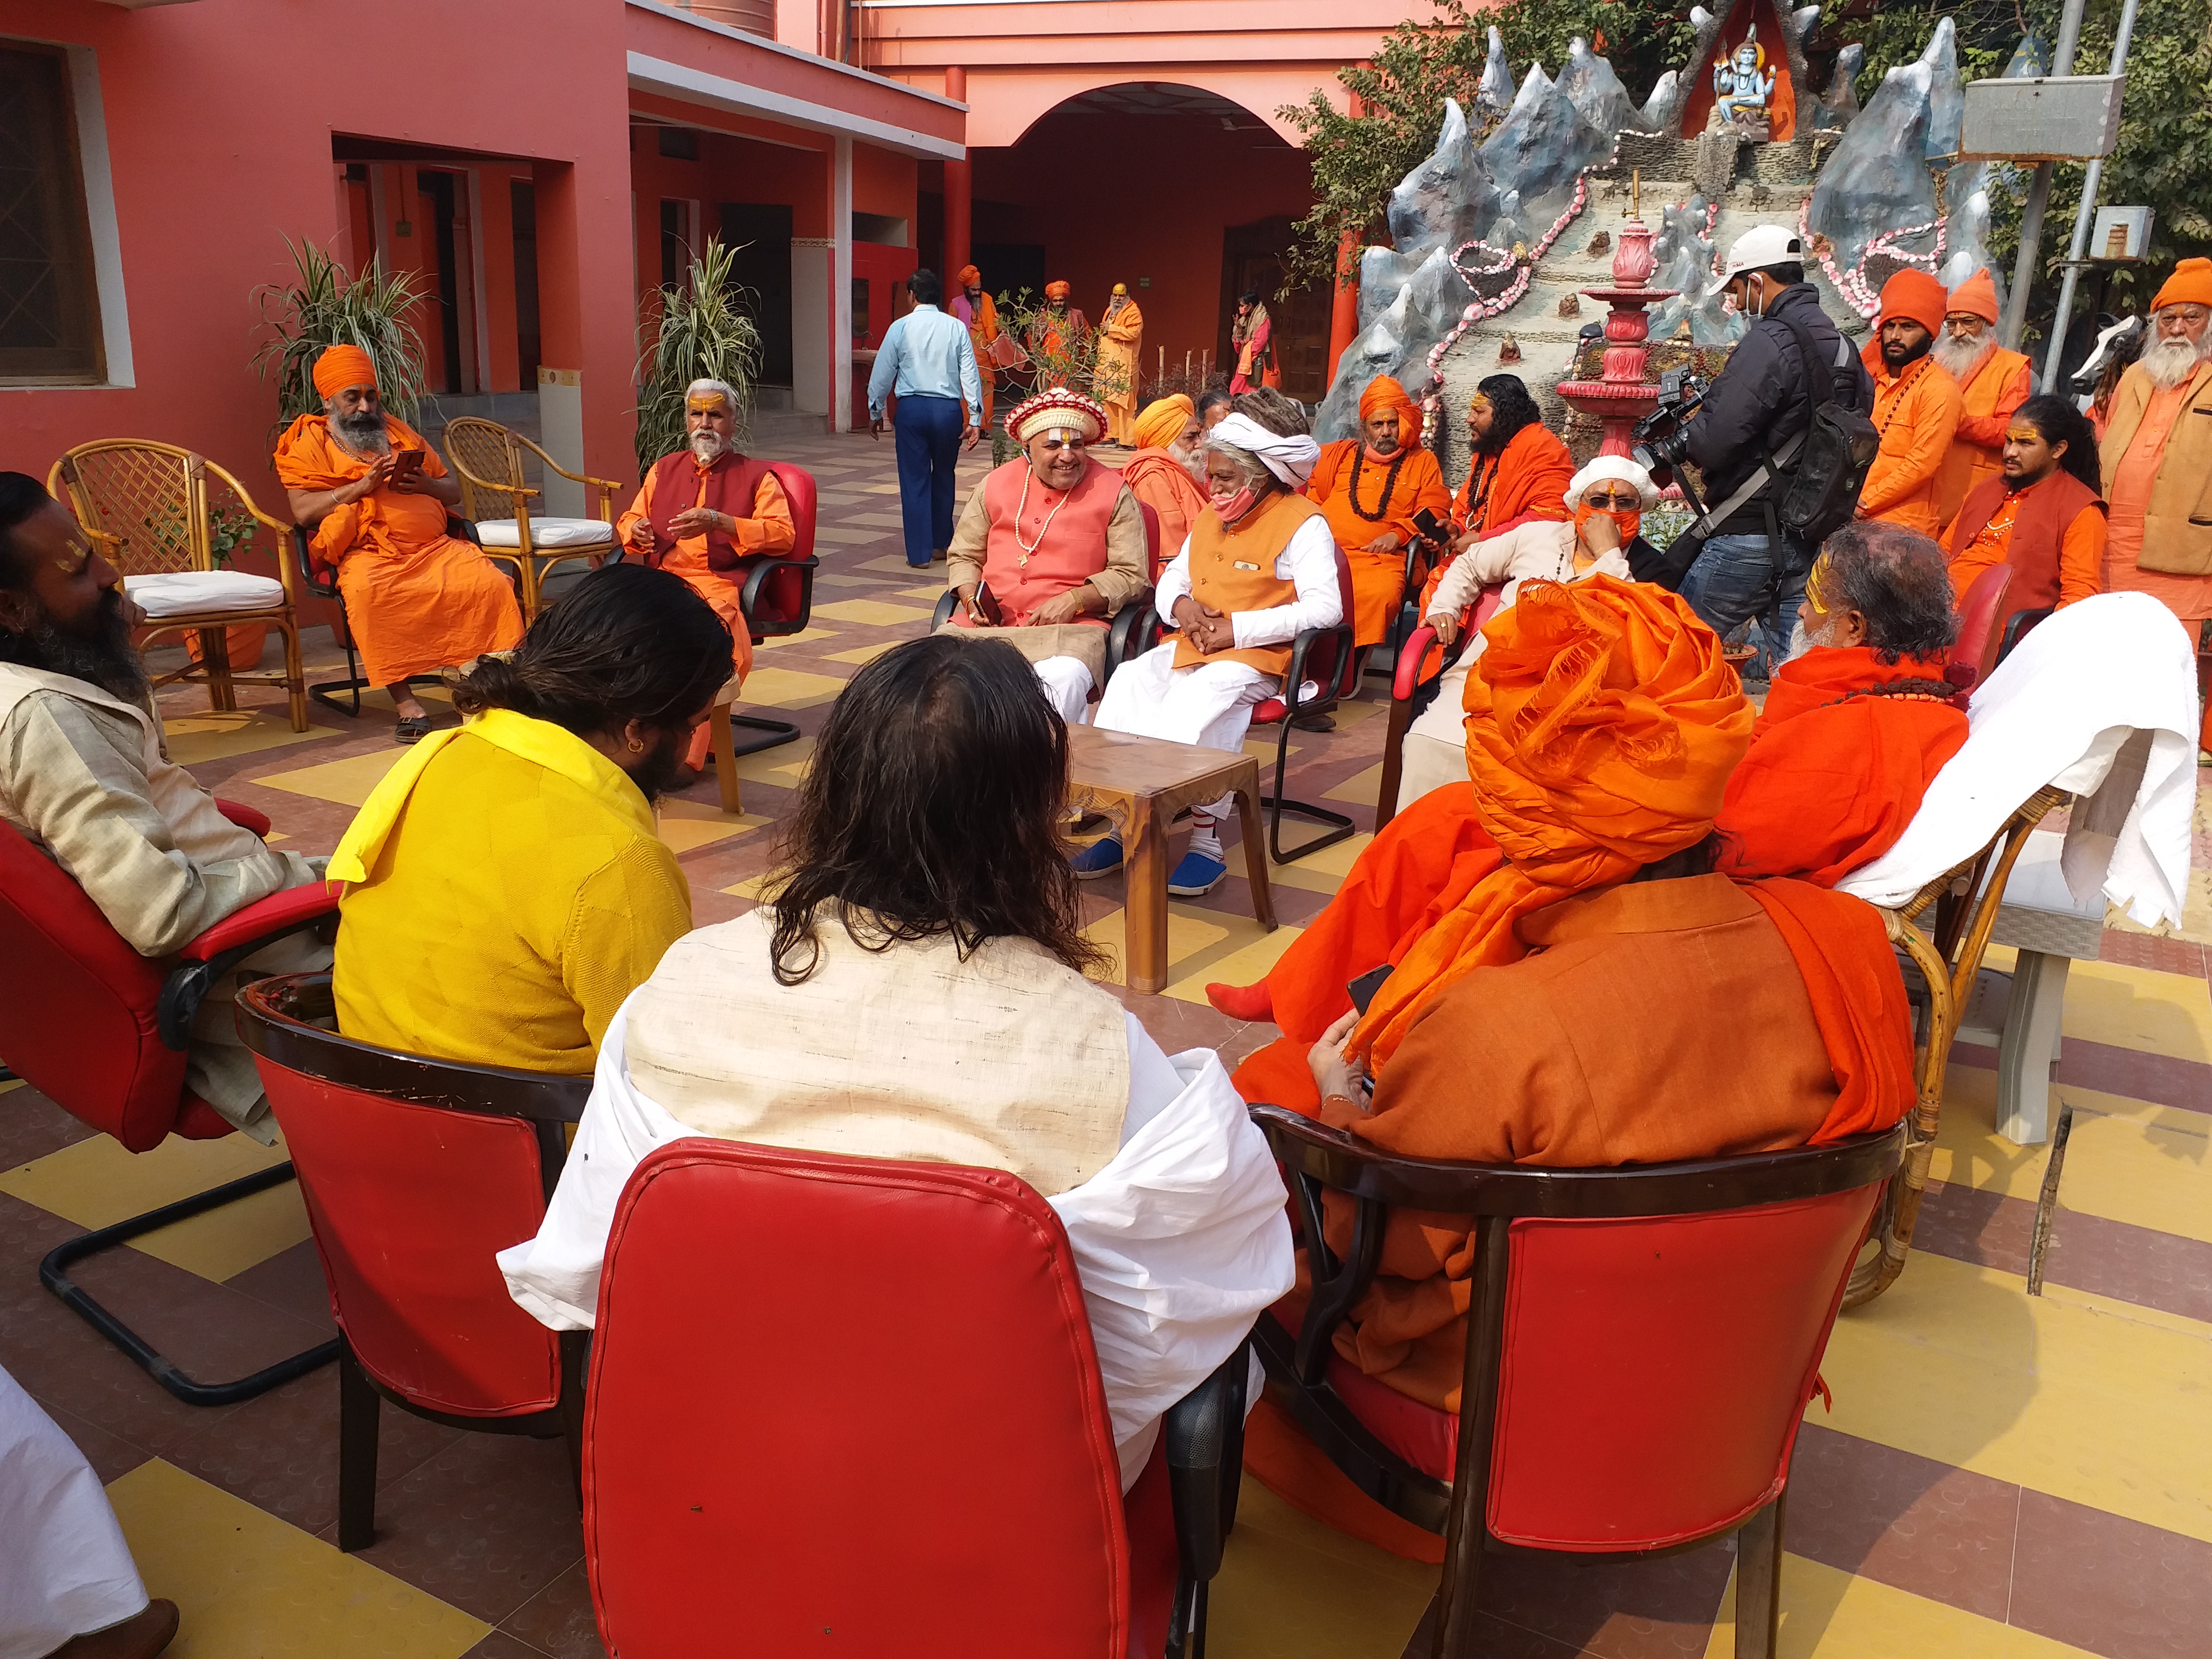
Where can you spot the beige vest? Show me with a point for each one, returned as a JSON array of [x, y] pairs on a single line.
[[1007, 1060]]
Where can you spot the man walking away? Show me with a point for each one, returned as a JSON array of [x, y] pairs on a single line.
[[928, 362]]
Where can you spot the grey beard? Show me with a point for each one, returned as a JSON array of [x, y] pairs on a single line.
[[709, 446], [1194, 463], [2170, 362], [101, 656], [1960, 359], [364, 432]]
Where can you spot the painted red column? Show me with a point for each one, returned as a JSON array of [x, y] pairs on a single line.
[[957, 191], [1344, 312]]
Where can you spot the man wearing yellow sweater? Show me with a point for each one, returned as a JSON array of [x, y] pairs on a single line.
[[506, 888]]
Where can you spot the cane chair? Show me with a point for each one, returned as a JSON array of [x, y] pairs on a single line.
[[416, 1173], [102, 1032], [146, 505], [1641, 1346], [1135, 627], [488, 459], [856, 1396], [775, 597]]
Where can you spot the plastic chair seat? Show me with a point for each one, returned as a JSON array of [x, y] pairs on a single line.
[[190, 593], [546, 534]]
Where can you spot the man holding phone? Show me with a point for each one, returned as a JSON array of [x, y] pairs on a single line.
[[1375, 488], [376, 497]]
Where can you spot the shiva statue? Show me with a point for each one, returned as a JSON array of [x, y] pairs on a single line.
[[1742, 86]]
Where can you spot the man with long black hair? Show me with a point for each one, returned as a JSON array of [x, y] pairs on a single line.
[[2043, 515]]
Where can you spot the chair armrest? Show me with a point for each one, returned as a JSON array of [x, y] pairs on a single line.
[[463, 529], [1135, 630], [942, 614], [1407, 675], [323, 587], [244, 817], [749, 595], [1204, 1433], [216, 951], [607, 486]]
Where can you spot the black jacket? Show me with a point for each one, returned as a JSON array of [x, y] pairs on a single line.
[[1758, 401]]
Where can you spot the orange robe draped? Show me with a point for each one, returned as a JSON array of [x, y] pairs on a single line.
[[1527, 479], [1163, 483], [1378, 579], [416, 599]]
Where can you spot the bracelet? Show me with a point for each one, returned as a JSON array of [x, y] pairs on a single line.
[[1357, 1110]]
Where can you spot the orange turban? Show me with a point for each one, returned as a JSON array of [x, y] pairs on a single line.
[[1977, 297], [1057, 290], [1385, 394], [343, 366], [1914, 296], [1602, 725], [2189, 285], [1164, 420], [970, 278]]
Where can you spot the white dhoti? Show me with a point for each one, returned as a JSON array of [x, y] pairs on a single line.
[[1435, 752], [1209, 705], [65, 1568], [1067, 683]]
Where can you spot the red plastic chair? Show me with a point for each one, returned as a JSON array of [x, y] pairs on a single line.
[[1641, 1348], [416, 1173], [852, 1404], [1324, 656], [776, 597], [1976, 651], [102, 1032], [1405, 684]]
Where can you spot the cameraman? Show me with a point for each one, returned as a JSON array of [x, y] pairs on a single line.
[[1748, 566]]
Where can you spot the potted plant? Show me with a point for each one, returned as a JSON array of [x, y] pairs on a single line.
[[698, 331], [323, 307], [230, 529]]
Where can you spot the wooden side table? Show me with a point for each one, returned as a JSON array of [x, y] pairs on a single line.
[[1141, 784]]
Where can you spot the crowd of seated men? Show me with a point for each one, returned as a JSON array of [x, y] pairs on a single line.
[[913, 985]]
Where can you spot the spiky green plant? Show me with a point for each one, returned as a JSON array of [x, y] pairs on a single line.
[[699, 331], [323, 307]]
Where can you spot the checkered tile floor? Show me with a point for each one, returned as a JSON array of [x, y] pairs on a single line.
[[2000, 1475]]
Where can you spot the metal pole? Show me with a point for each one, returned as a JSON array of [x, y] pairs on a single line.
[[2082, 216], [2039, 192]]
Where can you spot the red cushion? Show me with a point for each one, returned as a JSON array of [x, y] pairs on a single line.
[[846, 1405], [280, 913], [1269, 711], [798, 490], [244, 817]]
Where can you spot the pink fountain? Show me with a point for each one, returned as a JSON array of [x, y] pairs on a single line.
[[1623, 397]]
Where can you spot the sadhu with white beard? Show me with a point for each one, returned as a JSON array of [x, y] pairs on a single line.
[[2157, 456], [1993, 383], [703, 513]]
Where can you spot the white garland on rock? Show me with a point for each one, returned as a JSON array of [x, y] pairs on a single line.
[[1859, 294]]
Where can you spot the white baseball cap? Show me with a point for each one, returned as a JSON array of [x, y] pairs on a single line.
[[1760, 246]]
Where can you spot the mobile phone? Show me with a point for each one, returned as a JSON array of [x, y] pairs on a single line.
[[1432, 526], [1364, 989], [406, 462], [987, 606]]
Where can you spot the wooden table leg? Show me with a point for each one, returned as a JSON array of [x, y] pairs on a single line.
[[1256, 856], [724, 746], [1144, 909]]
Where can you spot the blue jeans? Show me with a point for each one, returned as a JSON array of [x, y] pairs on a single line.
[[927, 436], [1737, 579]]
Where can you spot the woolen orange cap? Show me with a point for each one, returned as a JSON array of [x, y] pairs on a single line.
[[1976, 296], [1915, 297], [343, 366], [2189, 285]]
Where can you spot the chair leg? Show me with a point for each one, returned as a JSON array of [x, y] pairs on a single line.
[[575, 1367], [323, 691], [1759, 1584], [780, 733], [723, 748], [214, 663], [359, 1410], [295, 672], [53, 1273], [1278, 803]]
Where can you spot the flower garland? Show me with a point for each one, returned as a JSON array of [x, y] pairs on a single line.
[[1852, 284]]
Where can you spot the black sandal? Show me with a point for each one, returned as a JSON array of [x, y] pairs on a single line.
[[412, 728]]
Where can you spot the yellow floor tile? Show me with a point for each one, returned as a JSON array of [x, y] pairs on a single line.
[[2140, 1008], [2079, 1397], [96, 1183], [686, 824], [805, 636], [1240, 966], [1322, 871], [865, 654], [207, 735], [837, 537], [1828, 1615], [346, 781], [787, 688], [246, 1583], [1291, 1588], [780, 765], [893, 563], [880, 520], [1187, 937], [1361, 786], [929, 596], [750, 888], [875, 613]]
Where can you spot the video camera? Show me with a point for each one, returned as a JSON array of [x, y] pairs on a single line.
[[1662, 437]]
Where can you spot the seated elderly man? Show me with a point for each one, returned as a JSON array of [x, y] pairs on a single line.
[[706, 513], [915, 989], [1259, 570], [1050, 546], [375, 495], [1855, 729], [517, 855], [86, 777], [1371, 487], [1165, 472]]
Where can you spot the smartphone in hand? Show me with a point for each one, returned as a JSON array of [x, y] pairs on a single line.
[[987, 606], [406, 462], [1431, 527]]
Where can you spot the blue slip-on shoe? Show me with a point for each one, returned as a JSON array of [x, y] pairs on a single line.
[[1101, 858], [1196, 876]]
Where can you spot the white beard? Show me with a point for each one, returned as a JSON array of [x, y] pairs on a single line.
[[1960, 358], [709, 446], [1193, 463], [2170, 362]]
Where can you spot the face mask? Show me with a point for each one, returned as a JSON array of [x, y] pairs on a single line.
[[1233, 507], [1629, 522]]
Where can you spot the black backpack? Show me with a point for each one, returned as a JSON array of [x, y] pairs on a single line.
[[1822, 480]]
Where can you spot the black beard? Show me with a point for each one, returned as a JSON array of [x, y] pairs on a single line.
[[102, 654], [1899, 357], [660, 770]]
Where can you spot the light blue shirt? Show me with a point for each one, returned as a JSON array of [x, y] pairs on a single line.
[[925, 353]]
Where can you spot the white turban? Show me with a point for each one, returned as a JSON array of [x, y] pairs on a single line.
[[1604, 467], [1292, 459]]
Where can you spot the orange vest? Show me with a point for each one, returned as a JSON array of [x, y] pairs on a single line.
[[1234, 570], [1038, 551], [1969, 462]]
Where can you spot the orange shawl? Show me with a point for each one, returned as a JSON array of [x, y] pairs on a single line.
[[1163, 483], [1604, 726]]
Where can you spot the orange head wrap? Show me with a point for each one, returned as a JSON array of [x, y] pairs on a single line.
[[1057, 290], [1977, 297], [1385, 394], [343, 366], [1914, 296], [970, 278], [1164, 420], [2189, 285], [1602, 725]]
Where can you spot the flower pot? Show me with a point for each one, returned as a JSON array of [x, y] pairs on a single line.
[[243, 646]]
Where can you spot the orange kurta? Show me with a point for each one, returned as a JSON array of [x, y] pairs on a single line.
[[1916, 413], [2081, 551], [1163, 483], [2132, 480], [416, 599], [1992, 391], [1392, 495], [1114, 379]]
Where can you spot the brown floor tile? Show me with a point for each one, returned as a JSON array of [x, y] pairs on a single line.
[[2110, 1585], [500, 1646], [110, 1455], [2142, 1265], [290, 1281], [1613, 1610], [2168, 956], [559, 1620], [2160, 1079], [31, 1126]]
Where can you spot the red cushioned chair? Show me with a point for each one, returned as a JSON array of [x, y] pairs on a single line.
[[1406, 683], [777, 594], [1641, 1348], [416, 1173], [1980, 644], [1325, 657], [102, 1032], [848, 1404]]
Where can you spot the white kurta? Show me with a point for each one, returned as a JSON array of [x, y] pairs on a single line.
[[1179, 1241], [65, 1568]]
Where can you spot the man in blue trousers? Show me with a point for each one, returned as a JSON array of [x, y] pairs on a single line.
[[929, 361]]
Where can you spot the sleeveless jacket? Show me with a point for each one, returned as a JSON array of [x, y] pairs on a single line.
[[1234, 570], [725, 486], [2039, 528]]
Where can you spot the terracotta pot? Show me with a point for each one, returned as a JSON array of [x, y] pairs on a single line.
[[244, 644]]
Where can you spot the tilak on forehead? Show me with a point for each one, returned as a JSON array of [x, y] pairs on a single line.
[[707, 402]]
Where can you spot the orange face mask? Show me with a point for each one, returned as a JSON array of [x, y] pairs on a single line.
[[1629, 522]]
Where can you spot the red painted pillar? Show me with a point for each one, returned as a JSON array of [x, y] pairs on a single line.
[[958, 192], [1344, 313]]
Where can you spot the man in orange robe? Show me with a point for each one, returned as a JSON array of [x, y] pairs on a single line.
[[708, 514], [1916, 405], [1992, 383], [375, 497], [2041, 514], [1055, 335], [1119, 366], [2157, 455], [1163, 474], [1370, 487], [1518, 469], [973, 306]]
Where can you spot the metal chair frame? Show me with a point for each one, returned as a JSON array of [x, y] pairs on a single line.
[[325, 692], [467, 435]]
